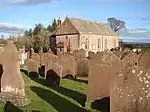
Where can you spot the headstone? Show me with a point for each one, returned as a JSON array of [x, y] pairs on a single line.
[[82, 67], [12, 82], [35, 56], [131, 57], [144, 60], [53, 70], [68, 63], [53, 76], [79, 54], [49, 60], [130, 90], [99, 75], [32, 66]]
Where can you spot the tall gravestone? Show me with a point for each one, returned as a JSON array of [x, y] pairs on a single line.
[[12, 83], [99, 76], [1, 67], [81, 63], [130, 90], [53, 70]]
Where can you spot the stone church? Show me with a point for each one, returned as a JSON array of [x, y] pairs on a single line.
[[76, 33]]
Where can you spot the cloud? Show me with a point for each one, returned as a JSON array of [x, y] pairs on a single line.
[[28, 2], [135, 32], [9, 28], [135, 35], [145, 18]]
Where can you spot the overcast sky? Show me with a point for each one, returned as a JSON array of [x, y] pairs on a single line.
[[17, 15]]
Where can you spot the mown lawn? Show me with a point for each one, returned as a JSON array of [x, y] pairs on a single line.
[[67, 98]]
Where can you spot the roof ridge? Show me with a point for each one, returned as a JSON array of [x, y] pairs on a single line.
[[87, 20], [91, 27]]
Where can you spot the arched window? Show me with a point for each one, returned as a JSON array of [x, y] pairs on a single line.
[[98, 43], [86, 43], [105, 43]]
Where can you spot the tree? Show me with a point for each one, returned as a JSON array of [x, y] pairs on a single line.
[[26, 33], [115, 24], [54, 25], [49, 28], [37, 29], [30, 32]]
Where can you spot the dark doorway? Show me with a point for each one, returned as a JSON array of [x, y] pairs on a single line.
[[53, 44]]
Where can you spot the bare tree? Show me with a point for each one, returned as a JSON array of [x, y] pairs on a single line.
[[115, 24]]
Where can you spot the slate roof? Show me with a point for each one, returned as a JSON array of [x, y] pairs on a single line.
[[91, 27]]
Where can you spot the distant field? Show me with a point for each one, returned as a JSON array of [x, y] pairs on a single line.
[[68, 98]]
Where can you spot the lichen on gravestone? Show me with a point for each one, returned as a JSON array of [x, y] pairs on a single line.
[[12, 81]]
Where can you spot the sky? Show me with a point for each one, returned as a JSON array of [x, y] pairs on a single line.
[[17, 15]]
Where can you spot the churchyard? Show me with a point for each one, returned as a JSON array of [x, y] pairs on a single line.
[[116, 81]]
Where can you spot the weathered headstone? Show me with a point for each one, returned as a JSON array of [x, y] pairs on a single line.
[[49, 60], [131, 57], [82, 67], [53, 76], [144, 60], [99, 75], [35, 56], [79, 54], [130, 90], [53, 70], [12, 82], [32, 66], [68, 63]]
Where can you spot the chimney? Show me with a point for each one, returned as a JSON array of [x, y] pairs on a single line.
[[59, 22]]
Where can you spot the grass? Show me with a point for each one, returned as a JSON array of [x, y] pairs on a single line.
[[67, 98]]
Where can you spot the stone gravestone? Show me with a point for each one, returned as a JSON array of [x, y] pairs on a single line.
[[35, 56], [68, 63], [79, 54], [43, 61], [144, 60], [12, 80], [99, 76], [53, 70], [82, 67], [49, 60], [32, 66], [1, 67], [81, 63], [53, 76], [130, 90]]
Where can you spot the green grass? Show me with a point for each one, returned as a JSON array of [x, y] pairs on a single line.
[[67, 98]]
